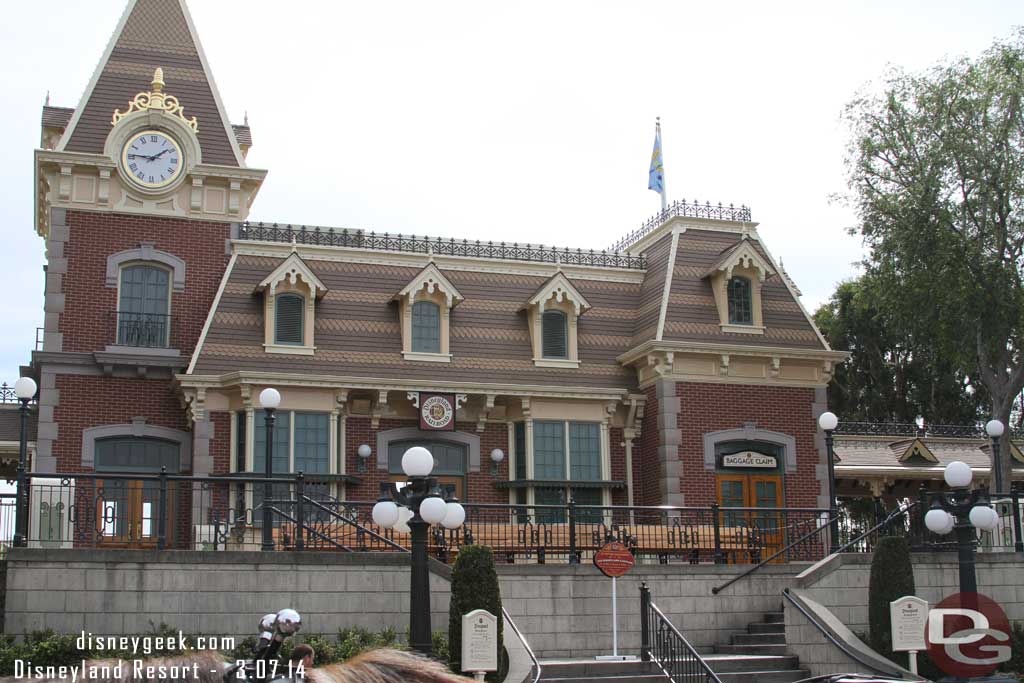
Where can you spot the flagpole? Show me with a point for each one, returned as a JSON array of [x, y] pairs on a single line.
[[664, 186]]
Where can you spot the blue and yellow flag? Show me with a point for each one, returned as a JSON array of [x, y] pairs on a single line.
[[656, 176]]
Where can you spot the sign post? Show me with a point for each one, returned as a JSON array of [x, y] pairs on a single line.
[[909, 617], [614, 560], [479, 643]]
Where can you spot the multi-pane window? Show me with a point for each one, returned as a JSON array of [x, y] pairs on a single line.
[[143, 307], [126, 510], [449, 463], [426, 327], [307, 435], [289, 323], [562, 452], [740, 302], [555, 335], [131, 454]]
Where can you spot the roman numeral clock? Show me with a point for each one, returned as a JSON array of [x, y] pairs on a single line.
[[153, 143]]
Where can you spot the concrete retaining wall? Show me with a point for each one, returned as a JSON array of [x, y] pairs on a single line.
[[564, 611]]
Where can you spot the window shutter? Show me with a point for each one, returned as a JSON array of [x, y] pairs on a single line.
[[555, 343], [288, 319]]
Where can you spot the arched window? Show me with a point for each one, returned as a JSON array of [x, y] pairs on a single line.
[[555, 335], [289, 322], [741, 308], [426, 327], [143, 309]]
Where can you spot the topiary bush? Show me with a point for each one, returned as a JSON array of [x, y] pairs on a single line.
[[892, 577], [475, 586]]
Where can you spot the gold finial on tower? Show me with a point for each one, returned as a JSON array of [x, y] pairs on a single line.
[[158, 80], [156, 99]]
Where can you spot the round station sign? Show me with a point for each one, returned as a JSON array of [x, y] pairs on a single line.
[[614, 559]]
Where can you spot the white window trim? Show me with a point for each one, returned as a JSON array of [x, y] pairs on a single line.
[[605, 460], [427, 357], [558, 293]]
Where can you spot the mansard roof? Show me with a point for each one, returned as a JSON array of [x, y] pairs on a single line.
[[152, 34]]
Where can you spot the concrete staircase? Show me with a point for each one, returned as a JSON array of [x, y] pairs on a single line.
[[757, 655]]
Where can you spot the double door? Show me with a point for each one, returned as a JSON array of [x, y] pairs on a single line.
[[759, 528], [127, 513]]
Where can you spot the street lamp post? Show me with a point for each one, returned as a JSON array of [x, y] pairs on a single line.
[[994, 429], [961, 509], [828, 423], [24, 389], [421, 505], [270, 399]]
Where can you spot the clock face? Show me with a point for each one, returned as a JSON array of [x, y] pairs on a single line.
[[152, 159]]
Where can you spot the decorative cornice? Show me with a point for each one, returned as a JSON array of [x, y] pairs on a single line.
[[742, 255], [157, 100]]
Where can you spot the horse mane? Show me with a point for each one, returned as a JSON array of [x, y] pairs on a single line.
[[385, 666]]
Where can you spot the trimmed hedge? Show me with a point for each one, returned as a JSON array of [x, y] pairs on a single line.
[[892, 577], [475, 586]]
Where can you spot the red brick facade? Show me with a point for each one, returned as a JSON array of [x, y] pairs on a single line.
[[88, 322]]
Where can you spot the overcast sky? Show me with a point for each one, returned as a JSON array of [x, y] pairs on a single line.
[[514, 121]]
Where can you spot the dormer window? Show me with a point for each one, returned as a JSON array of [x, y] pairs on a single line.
[[741, 307], [426, 327], [736, 280], [553, 313], [288, 319], [289, 308], [555, 334], [425, 306]]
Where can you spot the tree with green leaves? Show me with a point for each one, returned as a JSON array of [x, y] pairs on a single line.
[[887, 377], [475, 586], [936, 170]]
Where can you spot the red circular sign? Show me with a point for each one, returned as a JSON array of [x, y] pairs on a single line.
[[614, 559], [968, 635]]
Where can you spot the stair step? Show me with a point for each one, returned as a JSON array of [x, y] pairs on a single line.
[[759, 639], [774, 618], [766, 627], [722, 663], [618, 678], [787, 676], [751, 649], [564, 669]]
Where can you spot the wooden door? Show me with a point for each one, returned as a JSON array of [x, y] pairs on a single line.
[[127, 513], [750, 534]]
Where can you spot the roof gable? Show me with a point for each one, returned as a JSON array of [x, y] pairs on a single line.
[[153, 34], [291, 269], [742, 255], [559, 287], [433, 280], [914, 450]]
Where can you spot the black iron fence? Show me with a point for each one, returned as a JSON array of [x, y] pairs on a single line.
[[146, 330], [508, 251], [226, 513]]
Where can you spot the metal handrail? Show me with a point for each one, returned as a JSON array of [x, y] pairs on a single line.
[[849, 652], [649, 643], [892, 516], [756, 567], [522, 639], [369, 532]]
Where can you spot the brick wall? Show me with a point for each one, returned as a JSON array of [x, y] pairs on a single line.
[[715, 407], [87, 322], [479, 485], [645, 454], [91, 401]]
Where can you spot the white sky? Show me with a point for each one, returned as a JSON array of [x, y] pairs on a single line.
[[515, 121]]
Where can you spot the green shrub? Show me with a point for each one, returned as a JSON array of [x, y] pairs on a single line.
[[892, 577], [474, 586]]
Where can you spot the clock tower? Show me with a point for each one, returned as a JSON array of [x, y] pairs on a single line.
[[139, 190]]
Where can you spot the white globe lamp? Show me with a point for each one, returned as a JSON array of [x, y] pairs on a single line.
[[364, 451], [402, 525], [994, 428], [417, 462], [497, 455], [828, 421], [25, 388], [433, 509], [454, 516], [938, 521], [984, 517], [958, 474], [270, 398], [385, 514]]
